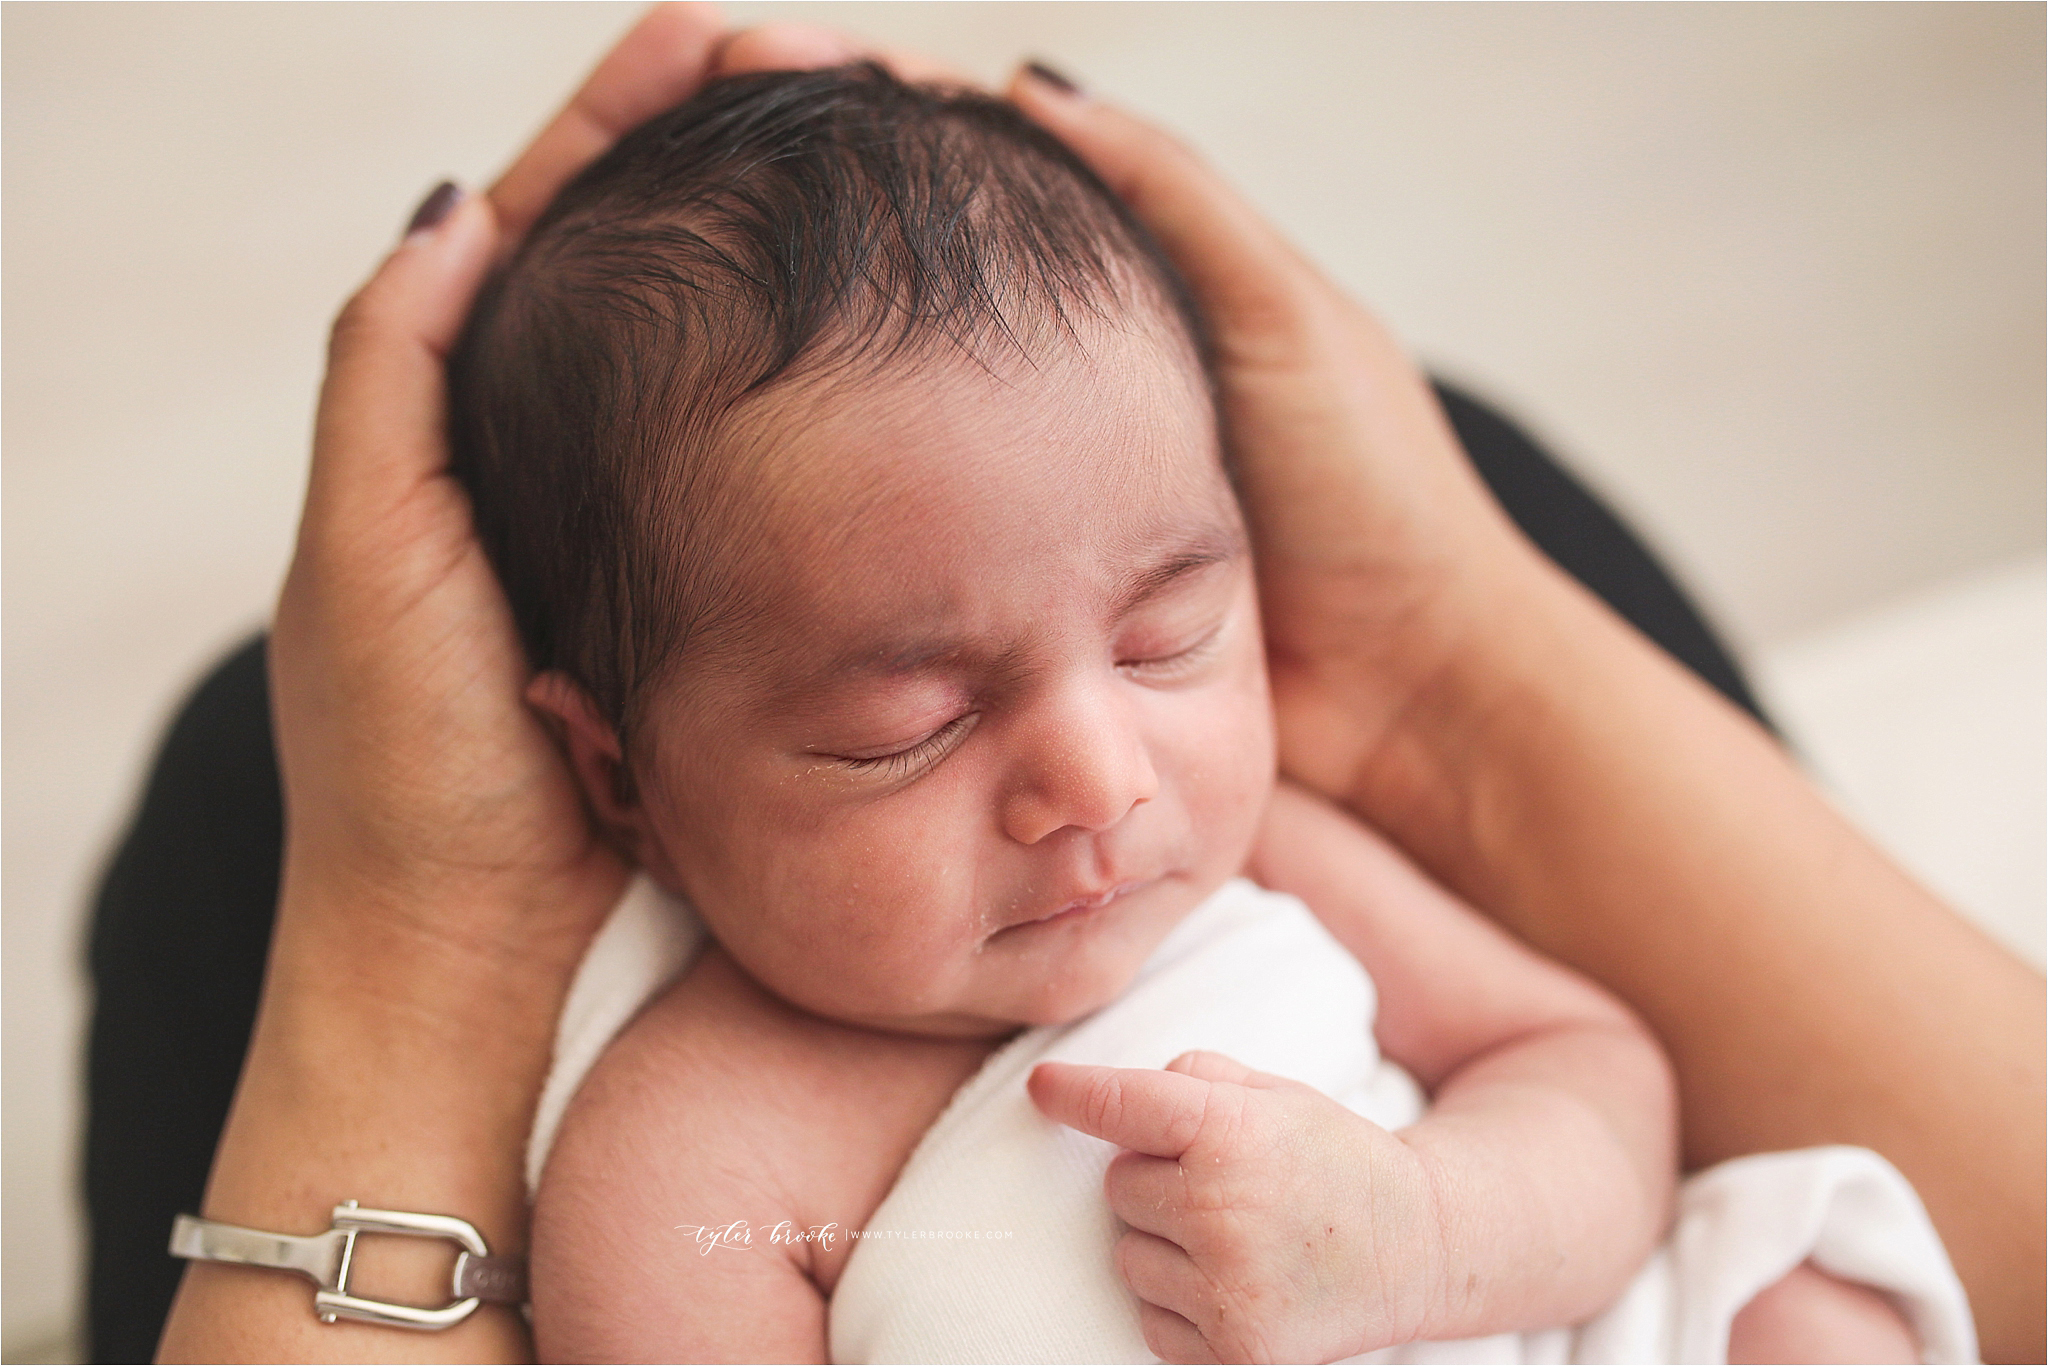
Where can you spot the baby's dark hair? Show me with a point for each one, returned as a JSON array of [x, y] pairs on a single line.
[[779, 226]]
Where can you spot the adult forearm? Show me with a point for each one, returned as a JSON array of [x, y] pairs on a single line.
[[389, 1069], [1619, 816]]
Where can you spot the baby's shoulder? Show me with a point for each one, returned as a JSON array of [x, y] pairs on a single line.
[[731, 1106]]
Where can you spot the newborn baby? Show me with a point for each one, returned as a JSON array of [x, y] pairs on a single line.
[[847, 453]]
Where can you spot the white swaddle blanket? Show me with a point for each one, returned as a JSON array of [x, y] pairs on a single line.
[[995, 1243]]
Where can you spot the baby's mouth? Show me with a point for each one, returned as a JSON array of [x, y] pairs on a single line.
[[1082, 906]]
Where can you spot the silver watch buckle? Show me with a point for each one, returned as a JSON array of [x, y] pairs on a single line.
[[333, 1301], [325, 1259]]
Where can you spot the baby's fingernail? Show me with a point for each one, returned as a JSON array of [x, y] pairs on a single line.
[[1051, 77], [439, 203]]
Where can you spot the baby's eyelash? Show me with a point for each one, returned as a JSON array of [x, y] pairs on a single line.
[[924, 753], [904, 763], [1180, 661]]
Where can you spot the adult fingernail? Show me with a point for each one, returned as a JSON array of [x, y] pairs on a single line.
[[1052, 78], [439, 203]]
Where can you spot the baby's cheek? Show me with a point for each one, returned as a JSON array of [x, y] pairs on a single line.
[[876, 919], [1231, 778]]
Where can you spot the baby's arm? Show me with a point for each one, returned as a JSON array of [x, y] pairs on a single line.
[[662, 1140], [1270, 1223], [719, 1115], [1552, 1125]]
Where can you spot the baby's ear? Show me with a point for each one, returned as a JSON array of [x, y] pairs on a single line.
[[593, 749]]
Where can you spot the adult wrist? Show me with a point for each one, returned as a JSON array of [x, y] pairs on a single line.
[[1554, 702], [378, 1088], [1406, 712], [1535, 680], [405, 1107], [394, 1042]]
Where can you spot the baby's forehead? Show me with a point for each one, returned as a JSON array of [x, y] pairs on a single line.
[[1119, 416], [1121, 395], [983, 621], [928, 501]]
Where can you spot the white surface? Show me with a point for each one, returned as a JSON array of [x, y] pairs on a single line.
[[1772, 275]]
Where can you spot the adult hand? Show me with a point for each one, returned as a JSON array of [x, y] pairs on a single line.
[[441, 879]]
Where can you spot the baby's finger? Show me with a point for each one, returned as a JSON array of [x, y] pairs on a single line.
[[383, 405], [660, 62], [1159, 1271], [1171, 1337], [1203, 1065], [1160, 1113], [1148, 1193]]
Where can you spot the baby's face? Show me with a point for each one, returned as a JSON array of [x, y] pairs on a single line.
[[997, 718]]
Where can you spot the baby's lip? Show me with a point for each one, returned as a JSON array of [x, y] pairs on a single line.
[[1075, 907]]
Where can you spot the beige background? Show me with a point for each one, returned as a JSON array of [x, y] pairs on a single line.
[[1772, 276]]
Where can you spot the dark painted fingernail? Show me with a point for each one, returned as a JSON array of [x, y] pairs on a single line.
[[1052, 77], [439, 203]]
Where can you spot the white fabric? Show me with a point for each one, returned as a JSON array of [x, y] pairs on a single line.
[[996, 1245], [649, 938]]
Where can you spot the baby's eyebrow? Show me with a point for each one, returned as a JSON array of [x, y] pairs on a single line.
[[1215, 546], [896, 658], [905, 656]]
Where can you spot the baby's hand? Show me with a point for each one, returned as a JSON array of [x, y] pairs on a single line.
[[1268, 1222]]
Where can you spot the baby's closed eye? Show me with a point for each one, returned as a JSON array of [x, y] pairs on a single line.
[[915, 756], [1170, 661]]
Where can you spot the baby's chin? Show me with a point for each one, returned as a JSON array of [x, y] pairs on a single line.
[[1071, 996], [992, 1024]]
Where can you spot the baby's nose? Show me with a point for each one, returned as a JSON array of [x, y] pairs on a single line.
[[1088, 769]]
